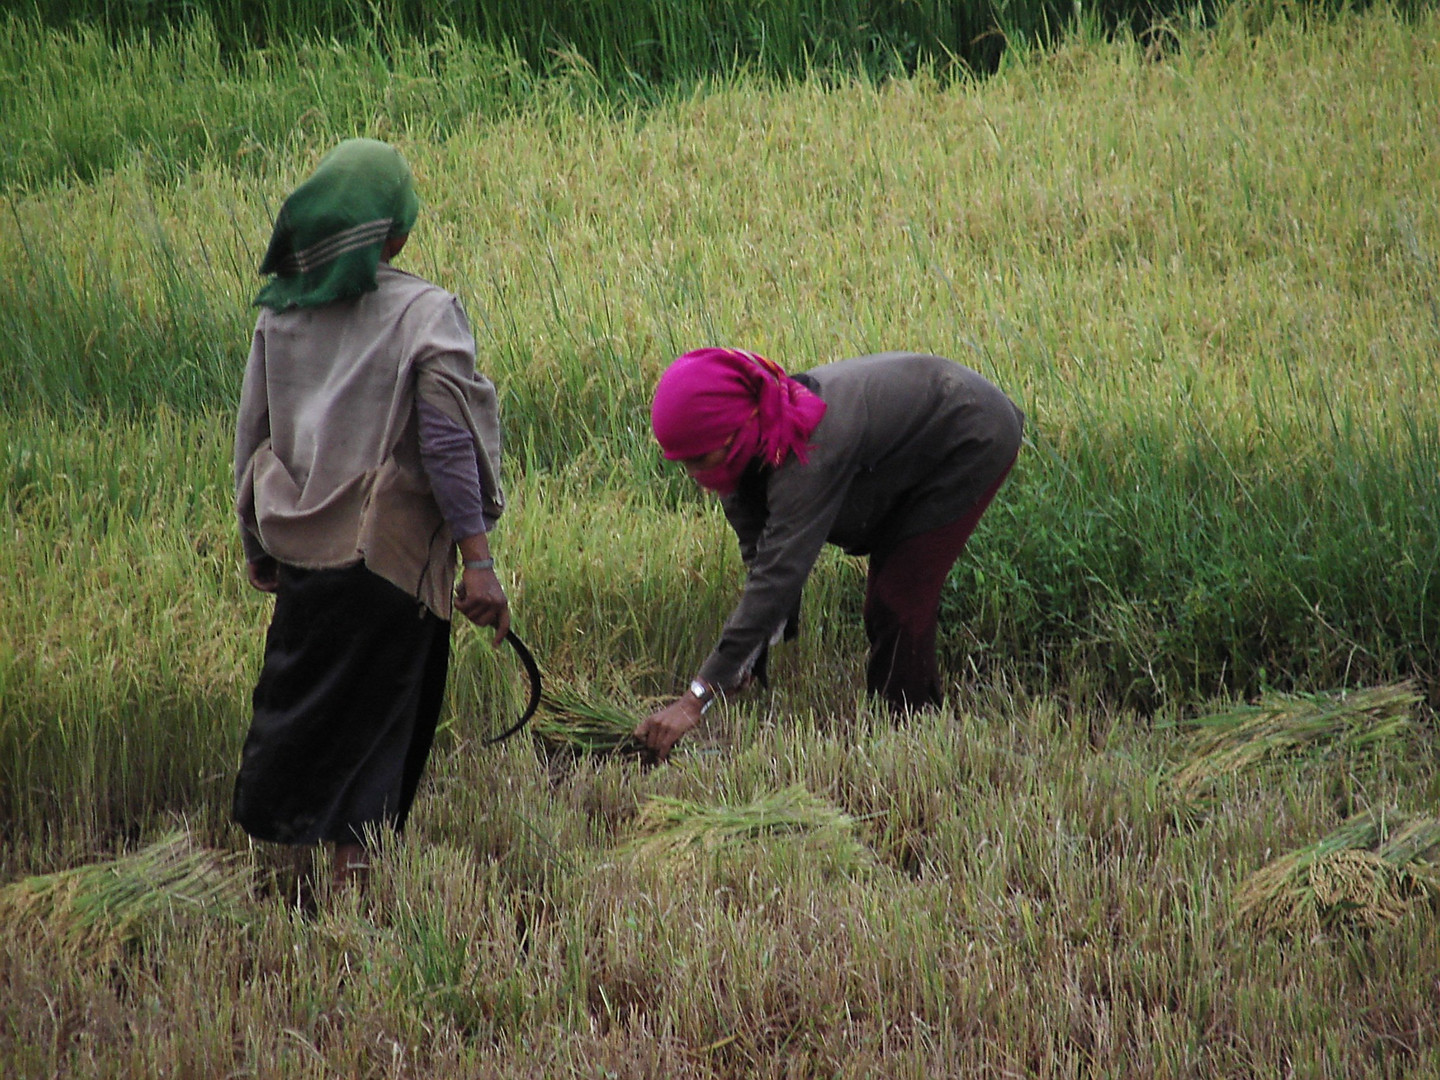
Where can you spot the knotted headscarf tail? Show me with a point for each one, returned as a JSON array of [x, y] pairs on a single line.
[[709, 395], [330, 231]]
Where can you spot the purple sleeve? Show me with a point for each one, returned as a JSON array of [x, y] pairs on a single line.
[[448, 454]]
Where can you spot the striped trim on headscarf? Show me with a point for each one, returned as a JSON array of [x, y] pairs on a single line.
[[352, 239]]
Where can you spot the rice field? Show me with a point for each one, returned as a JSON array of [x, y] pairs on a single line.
[[1177, 816]]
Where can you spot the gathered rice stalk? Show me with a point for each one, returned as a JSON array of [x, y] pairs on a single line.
[[570, 722], [1288, 725], [1370, 872], [674, 829], [93, 912]]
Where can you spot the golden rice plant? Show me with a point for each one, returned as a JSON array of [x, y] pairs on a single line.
[[570, 722], [94, 912], [1371, 871], [675, 829], [1285, 726]]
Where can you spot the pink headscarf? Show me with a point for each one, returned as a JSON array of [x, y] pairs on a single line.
[[708, 395]]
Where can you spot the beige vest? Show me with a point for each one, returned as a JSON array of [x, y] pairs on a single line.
[[327, 449]]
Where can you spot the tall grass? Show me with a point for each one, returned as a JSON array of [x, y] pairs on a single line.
[[126, 643], [639, 43], [81, 105], [93, 86], [627, 45], [1222, 230], [1211, 283]]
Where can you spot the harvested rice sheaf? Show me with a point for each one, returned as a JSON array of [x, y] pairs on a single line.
[[93, 912], [679, 830], [570, 722], [1286, 726], [1372, 871]]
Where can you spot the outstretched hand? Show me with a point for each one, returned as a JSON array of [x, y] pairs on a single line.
[[482, 600], [661, 730]]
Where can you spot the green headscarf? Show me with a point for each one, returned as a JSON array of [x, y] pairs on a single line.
[[330, 231]]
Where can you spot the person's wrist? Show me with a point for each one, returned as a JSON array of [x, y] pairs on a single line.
[[703, 694], [480, 564]]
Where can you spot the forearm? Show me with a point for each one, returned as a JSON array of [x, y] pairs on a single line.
[[475, 547], [770, 601], [447, 453], [480, 596]]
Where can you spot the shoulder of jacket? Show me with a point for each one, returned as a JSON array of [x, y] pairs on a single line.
[[414, 288]]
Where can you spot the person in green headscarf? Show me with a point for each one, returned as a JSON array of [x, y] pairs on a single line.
[[332, 232], [367, 448]]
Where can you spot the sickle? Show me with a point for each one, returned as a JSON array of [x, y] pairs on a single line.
[[533, 670]]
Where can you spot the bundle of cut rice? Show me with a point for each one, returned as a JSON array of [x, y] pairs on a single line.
[[674, 829], [1370, 872], [570, 722], [94, 911], [1290, 725]]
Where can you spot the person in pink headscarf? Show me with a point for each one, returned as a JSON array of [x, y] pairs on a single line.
[[892, 455]]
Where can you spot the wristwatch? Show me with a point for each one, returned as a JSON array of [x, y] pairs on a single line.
[[704, 692]]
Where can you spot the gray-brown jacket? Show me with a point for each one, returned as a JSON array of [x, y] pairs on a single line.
[[908, 443]]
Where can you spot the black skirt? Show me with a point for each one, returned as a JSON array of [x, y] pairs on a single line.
[[344, 711]]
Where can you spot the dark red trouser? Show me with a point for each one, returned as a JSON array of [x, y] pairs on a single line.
[[902, 604]]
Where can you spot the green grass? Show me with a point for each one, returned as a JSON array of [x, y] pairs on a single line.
[[81, 105], [627, 48], [1210, 280]]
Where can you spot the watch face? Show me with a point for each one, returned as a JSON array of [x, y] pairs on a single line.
[[703, 692]]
